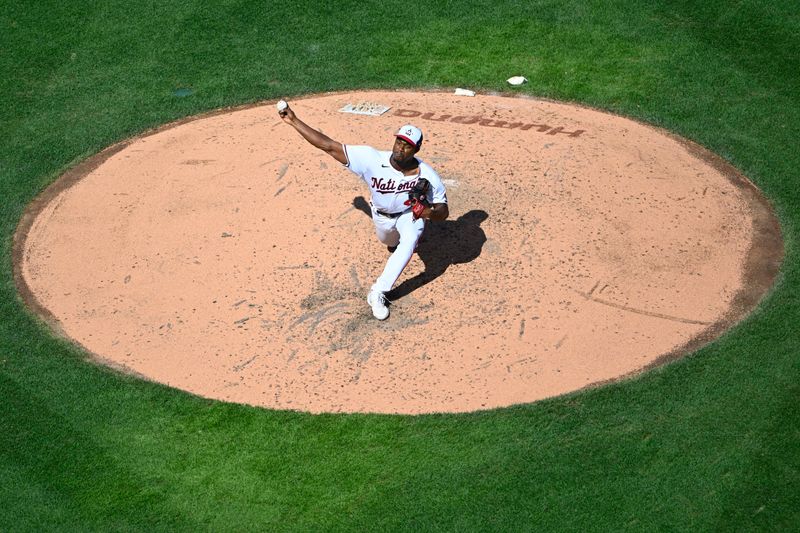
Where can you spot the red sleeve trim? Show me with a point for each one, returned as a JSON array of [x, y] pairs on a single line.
[[346, 155]]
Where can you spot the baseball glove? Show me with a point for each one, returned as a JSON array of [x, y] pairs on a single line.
[[418, 196]]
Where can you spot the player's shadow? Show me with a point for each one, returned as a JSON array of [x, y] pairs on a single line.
[[444, 243]]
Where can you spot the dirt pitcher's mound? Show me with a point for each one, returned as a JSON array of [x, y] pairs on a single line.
[[227, 257]]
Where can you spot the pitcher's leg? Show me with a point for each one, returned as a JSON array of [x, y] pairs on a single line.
[[410, 230], [385, 230]]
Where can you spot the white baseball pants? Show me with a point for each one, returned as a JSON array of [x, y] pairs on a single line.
[[403, 232]]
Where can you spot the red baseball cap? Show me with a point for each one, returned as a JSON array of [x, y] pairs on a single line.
[[410, 134]]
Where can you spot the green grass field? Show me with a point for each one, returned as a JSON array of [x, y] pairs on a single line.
[[711, 442]]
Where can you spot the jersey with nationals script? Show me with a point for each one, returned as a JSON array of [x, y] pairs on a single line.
[[389, 187]]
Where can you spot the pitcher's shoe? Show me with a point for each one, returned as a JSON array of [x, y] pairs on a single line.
[[377, 300]]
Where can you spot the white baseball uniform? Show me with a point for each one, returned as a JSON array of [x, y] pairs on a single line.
[[394, 222]]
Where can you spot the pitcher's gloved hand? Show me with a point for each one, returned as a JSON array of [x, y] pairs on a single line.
[[419, 191], [418, 197]]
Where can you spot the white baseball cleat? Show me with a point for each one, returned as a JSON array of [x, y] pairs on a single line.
[[377, 300]]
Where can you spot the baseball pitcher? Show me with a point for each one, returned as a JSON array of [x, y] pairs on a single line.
[[405, 192]]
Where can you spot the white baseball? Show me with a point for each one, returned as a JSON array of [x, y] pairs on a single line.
[[281, 105]]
